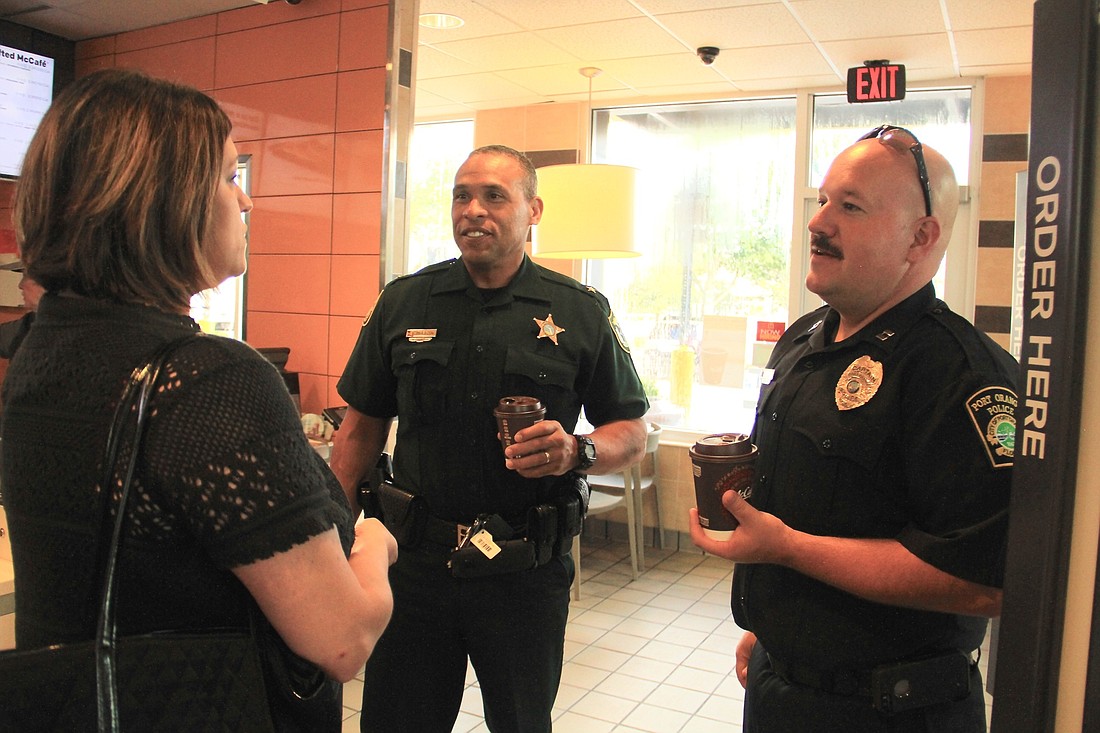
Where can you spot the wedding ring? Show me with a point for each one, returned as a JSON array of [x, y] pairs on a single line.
[[547, 454]]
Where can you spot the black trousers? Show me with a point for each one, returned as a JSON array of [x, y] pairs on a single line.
[[774, 706], [511, 627]]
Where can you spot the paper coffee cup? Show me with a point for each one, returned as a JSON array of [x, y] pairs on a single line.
[[514, 414], [719, 463]]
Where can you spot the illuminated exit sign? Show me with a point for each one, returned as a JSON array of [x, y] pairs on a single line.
[[876, 82]]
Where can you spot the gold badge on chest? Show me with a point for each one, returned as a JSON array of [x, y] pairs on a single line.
[[548, 329], [858, 384]]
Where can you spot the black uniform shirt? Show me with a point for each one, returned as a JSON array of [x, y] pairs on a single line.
[[439, 353], [922, 453]]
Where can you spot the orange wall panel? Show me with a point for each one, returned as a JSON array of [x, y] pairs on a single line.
[[288, 283], [361, 100], [305, 335], [169, 33], [189, 62], [95, 63], [364, 38], [284, 51], [95, 47], [361, 4], [290, 225], [358, 165], [294, 165], [287, 108], [354, 284], [343, 333], [273, 14], [357, 223], [313, 389]]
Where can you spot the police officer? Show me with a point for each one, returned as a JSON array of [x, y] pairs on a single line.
[[870, 551], [439, 350]]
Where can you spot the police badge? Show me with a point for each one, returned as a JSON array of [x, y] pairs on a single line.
[[858, 384]]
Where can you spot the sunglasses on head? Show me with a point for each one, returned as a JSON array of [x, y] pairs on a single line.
[[902, 140]]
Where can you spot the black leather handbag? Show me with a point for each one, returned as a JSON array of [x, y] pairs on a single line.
[[210, 680]]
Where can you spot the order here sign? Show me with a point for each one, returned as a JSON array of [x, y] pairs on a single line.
[[876, 83]]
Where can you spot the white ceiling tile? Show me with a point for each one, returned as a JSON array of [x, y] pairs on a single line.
[[1001, 46], [562, 82], [657, 7], [788, 83], [431, 63], [509, 51], [633, 38], [773, 62], [532, 14], [917, 52], [998, 70], [474, 88], [755, 25], [834, 20], [668, 70], [477, 20], [975, 14]]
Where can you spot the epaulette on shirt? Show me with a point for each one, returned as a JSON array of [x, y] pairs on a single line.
[[559, 279]]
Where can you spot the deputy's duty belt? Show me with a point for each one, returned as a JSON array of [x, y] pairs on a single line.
[[442, 532], [895, 687]]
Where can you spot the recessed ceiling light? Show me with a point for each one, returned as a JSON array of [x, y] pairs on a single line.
[[440, 21]]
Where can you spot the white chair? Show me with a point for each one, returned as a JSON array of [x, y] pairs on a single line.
[[625, 489]]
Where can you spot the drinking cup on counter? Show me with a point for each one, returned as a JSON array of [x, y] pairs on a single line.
[[516, 413], [720, 463]]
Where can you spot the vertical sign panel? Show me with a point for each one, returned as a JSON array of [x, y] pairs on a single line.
[[1057, 213]]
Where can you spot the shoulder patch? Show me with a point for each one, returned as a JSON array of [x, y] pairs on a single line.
[[618, 331], [375, 305], [993, 410]]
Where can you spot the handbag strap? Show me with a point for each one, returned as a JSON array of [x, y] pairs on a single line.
[[132, 410]]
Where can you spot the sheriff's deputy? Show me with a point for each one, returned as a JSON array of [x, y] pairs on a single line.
[[439, 350], [870, 552]]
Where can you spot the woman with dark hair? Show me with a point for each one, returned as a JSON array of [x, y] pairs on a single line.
[[127, 206]]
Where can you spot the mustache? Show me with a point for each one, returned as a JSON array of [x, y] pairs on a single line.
[[821, 242]]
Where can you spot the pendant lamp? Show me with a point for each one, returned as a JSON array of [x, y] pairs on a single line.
[[589, 207]]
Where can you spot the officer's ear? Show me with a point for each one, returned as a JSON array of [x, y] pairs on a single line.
[[926, 240], [536, 209]]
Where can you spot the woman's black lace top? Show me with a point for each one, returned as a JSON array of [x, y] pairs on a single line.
[[226, 475]]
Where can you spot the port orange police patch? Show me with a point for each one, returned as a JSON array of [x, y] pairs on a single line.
[[993, 412]]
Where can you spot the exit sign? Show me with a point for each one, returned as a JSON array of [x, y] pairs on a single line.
[[876, 83]]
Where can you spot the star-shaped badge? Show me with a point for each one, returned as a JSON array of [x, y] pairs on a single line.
[[548, 329]]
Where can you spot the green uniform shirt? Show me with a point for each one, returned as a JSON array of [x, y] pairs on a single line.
[[439, 353]]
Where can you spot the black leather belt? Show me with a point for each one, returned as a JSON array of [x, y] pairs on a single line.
[[849, 683], [442, 532], [835, 682]]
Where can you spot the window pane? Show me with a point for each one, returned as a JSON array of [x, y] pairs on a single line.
[[714, 225], [436, 150], [938, 117]]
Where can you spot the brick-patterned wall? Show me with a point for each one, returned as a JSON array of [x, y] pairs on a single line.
[[1004, 154]]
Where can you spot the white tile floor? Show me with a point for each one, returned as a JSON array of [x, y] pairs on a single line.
[[653, 655]]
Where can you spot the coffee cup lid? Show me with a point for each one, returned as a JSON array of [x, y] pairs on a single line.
[[724, 444], [518, 404]]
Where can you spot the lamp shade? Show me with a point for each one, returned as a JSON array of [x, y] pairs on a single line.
[[588, 212]]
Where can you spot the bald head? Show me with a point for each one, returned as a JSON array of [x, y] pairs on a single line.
[[873, 243], [943, 187]]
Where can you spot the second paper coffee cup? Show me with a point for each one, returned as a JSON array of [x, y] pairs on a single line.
[[516, 413], [720, 463]]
